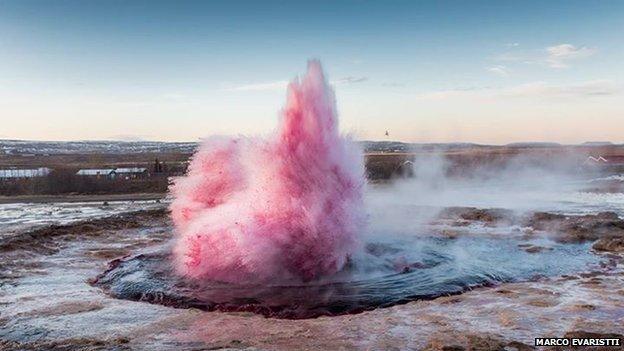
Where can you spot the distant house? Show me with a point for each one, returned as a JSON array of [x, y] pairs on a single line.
[[125, 173], [98, 172], [134, 172], [24, 173]]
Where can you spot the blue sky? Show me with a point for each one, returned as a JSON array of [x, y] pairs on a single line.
[[439, 71]]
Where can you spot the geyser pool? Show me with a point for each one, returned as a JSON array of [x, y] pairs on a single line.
[[275, 226], [288, 206], [387, 273]]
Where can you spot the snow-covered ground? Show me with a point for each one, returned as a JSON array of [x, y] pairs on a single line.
[[21, 216]]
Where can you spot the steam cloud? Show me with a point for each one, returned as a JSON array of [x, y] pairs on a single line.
[[288, 206]]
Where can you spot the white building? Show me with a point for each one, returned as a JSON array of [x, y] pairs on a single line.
[[127, 173], [24, 173], [133, 170], [99, 172]]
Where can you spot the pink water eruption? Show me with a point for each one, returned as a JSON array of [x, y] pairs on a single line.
[[288, 206]]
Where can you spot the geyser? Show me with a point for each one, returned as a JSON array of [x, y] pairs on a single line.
[[288, 206]]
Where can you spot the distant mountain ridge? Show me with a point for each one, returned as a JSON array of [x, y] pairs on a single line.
[[29, 147], [597, 143], [24, 147]]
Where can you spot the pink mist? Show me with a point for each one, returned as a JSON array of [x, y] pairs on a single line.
[[285, 207]]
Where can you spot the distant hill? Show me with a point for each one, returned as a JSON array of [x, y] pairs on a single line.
[[597, 143], [397, 146], [533, 144], [29, 147], [26, 147]]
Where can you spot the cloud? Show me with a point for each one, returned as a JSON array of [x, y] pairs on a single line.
[[349, 80], [512, 45], [560, 55], [540, 90], [583, 89], [266, 86], [501, 71], [556, 56]]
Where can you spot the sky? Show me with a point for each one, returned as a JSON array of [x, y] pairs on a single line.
[[490, 72]]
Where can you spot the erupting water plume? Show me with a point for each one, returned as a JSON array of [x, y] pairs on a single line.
[[285, 207]]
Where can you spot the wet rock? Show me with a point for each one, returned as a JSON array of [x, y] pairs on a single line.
[[402, 265], [380, 249], [613, 244], [575, 229], [534, 248], [518, 346], [30, 334], [489, 216], [538, 219], [449, 300], [66, 308], [473, 342], [582, 307], [41, 240], [108, 254], [105, 238], [119, 344], [449, 234], [543, 302], [593, 282], [565, 229], [506, 292], [568, 277]]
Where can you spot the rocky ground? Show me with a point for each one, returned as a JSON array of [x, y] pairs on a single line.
[[47, 303]]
